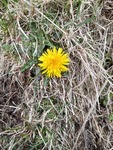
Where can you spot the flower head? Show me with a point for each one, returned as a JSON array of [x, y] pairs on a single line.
[[53, 62]]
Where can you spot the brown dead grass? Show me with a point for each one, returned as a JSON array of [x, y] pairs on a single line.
[[71, 113]]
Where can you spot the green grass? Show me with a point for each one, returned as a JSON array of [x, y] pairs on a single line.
[[74, 112]]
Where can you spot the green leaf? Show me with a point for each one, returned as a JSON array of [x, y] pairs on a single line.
[[88, 20], [46, 80], [111, 117], [27, 65], [78, 9], [111, 95]]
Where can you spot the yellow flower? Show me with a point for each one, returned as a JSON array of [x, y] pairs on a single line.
[[53, 62]]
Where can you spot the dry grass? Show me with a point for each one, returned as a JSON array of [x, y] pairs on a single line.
[[74, 112]]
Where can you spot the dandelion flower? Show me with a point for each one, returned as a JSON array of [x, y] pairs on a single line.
[[53, 62]]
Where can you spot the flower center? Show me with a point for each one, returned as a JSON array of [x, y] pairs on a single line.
[[54, 62]]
